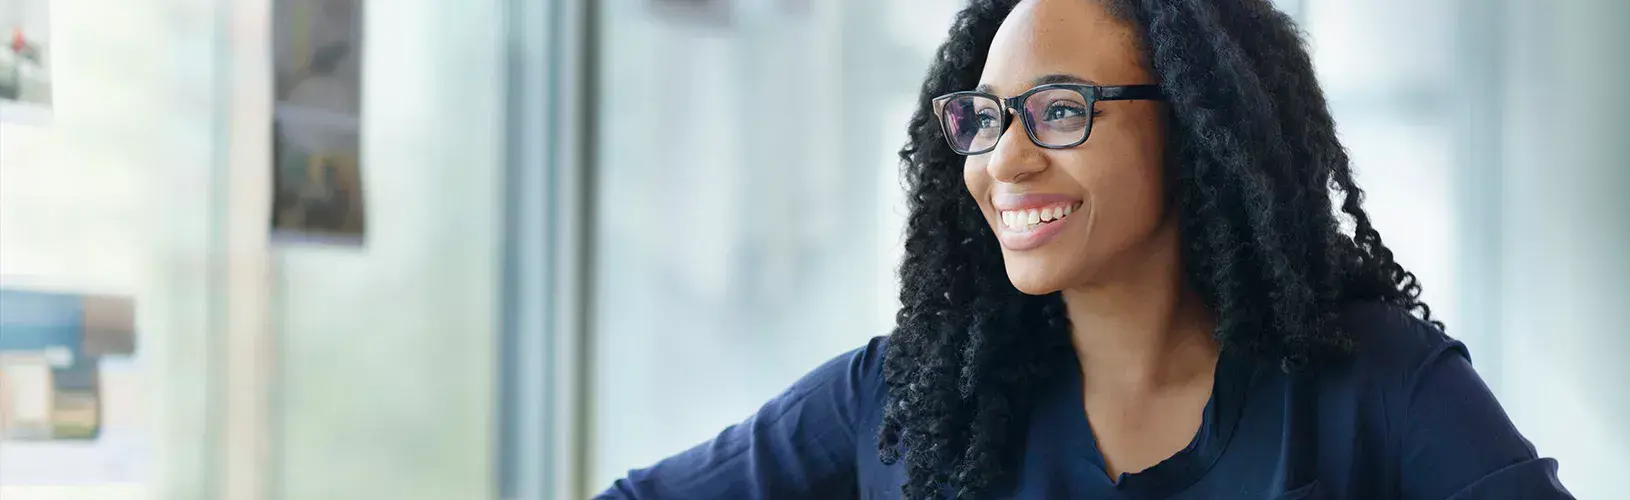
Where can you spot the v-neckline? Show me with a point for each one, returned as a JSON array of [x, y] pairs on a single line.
[[1172, 475]]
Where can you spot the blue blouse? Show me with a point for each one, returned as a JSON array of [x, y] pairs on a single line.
[[1404, 417]]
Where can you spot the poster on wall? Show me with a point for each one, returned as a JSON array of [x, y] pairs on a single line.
[[316, 122], [70, 390], [25, 60]]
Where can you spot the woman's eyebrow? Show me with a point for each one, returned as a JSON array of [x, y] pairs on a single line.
[[1039, 81]]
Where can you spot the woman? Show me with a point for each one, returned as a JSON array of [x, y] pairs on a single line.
[[1124, 278]]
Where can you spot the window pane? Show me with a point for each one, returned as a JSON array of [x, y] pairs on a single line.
[[743, 194], [1388, 79]]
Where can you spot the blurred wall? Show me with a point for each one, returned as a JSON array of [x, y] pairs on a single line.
[[286, 371], [747, 206], [385, 372], [1565, 236], [111, 191]]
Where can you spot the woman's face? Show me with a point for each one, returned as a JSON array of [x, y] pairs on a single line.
[[1112, 184]]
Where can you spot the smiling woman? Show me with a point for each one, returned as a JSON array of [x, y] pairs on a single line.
[[1125, 277]]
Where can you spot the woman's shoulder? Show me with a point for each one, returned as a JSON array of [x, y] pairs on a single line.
[[1412, 386], [851, 382], [1391, 341], [1395, 354], [860, 366], [866, 363]]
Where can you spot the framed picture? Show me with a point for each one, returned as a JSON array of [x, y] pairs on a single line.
[[25, 60], [70, 388], [316, 130]]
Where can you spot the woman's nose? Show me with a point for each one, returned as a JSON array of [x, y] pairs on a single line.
[[1015, 156]]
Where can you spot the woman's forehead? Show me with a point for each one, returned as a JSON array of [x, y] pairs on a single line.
[[1061, 37]]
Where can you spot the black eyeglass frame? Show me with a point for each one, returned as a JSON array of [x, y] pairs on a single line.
[[1092, 94]]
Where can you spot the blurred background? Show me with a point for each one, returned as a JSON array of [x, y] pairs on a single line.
[[594, 236]]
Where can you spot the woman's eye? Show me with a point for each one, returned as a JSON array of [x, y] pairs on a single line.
[[988, 119], [1063, 111]]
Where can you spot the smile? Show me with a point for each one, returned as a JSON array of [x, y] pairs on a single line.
[[1031, 223], [1026, 220]]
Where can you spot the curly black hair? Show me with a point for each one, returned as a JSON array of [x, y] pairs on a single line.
[[1255, 160]]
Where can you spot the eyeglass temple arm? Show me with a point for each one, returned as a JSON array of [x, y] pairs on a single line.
[[1130, 92]]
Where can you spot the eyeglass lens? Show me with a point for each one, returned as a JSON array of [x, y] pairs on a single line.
[[1055, 118]]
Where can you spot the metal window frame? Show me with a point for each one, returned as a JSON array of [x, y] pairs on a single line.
[[1478, 179], [543, 357]]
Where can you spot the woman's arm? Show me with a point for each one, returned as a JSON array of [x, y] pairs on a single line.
[[1459, 443], [802, 444]]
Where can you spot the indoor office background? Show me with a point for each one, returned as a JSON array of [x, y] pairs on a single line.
[[600, 231]]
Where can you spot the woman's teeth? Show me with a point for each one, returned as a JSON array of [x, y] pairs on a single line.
[[1026, 219]]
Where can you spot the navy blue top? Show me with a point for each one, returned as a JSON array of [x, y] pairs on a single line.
[[1404, 417]]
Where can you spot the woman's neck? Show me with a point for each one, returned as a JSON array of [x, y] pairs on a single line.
[[1145, 330]]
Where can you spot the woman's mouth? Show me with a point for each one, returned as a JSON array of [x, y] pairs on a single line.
[[1029, 228], [1025, 220]]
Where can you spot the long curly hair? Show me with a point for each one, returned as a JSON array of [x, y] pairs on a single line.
[[1256, 160]]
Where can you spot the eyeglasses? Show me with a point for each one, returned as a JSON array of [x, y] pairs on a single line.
[[1056, 116]]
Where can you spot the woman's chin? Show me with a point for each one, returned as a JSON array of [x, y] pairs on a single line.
[[1034, 280]]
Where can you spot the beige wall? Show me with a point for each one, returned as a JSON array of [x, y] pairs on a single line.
[[297, 372], [109, 192]]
